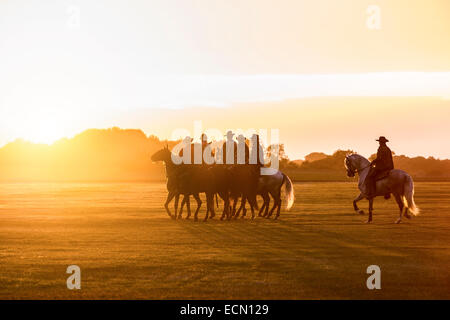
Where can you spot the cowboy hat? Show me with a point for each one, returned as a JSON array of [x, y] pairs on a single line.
[[229, 133], [382, 139]]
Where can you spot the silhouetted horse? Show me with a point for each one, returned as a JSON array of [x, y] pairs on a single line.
[[189, 180], [244, 184], [272, 184], [172, 189]]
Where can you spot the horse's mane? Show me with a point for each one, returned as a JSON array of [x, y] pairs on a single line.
[[356, 155]]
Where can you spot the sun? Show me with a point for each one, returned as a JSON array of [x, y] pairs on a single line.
[[43, 130]]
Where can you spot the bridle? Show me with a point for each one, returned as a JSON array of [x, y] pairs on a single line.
[[353, 170]]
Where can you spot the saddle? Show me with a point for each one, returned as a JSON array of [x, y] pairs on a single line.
[[382, 175]]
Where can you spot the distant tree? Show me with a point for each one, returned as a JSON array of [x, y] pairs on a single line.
[[282, 156], [314, 156]]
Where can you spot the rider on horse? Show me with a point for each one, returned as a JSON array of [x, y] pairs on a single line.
[[381, 166], [229, 150]]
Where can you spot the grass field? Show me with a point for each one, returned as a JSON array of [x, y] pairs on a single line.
[[128, 248]]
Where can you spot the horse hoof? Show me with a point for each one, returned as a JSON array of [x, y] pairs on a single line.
[[368, 221], [398, 221], [407, 216], [195, 219], [361, 212]]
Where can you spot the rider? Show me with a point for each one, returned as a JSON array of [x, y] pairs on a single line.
[[243, 153], [229, 150], [205, 144], [379, 167]]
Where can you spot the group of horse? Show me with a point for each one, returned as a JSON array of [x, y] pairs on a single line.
[[229, 182], [234, 182]]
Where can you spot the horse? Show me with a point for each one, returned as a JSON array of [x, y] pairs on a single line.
[[186, 180], [220, 184], [398, 182], [172, 189], [272, 184], [244, 182], [192, 179]]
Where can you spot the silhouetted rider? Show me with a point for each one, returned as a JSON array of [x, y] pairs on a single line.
[[229, 150], [379, 167]]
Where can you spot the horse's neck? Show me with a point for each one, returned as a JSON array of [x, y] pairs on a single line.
[[363, 171], [362, 176], [170, 167]]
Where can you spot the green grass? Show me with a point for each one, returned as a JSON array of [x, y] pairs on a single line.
[[128, 248]]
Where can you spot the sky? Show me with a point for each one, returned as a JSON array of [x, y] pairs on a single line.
[[297, 66]]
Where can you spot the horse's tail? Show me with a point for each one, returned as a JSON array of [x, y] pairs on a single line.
[[289, 188], [408, 196]]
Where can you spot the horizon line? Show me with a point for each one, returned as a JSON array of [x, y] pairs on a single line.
[[168, 140]]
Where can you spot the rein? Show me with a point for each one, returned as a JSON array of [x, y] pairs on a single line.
[[362, 168]]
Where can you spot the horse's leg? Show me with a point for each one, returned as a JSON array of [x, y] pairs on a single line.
[[252, 203], [406, 214], [266, 211], [170, 196], [242, 206], [244, 210], [181, 206], [275, 203], [177, 198], [355, 206], [235, 201], [400, 206], [370, 210], [226, 204], [199, 204], [213, 213], [279, 207], [209, 204], [264, 195], [188, 206], [196, 211]]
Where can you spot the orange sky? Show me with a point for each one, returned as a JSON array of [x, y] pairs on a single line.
[[66, 66]]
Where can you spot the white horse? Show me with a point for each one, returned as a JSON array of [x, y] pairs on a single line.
[[397, 182], [271, 184]]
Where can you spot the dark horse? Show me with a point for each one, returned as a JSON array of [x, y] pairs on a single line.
[[171, 181], [190, 180]]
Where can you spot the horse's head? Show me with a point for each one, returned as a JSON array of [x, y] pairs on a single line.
[[355, 163], [161, 155]]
